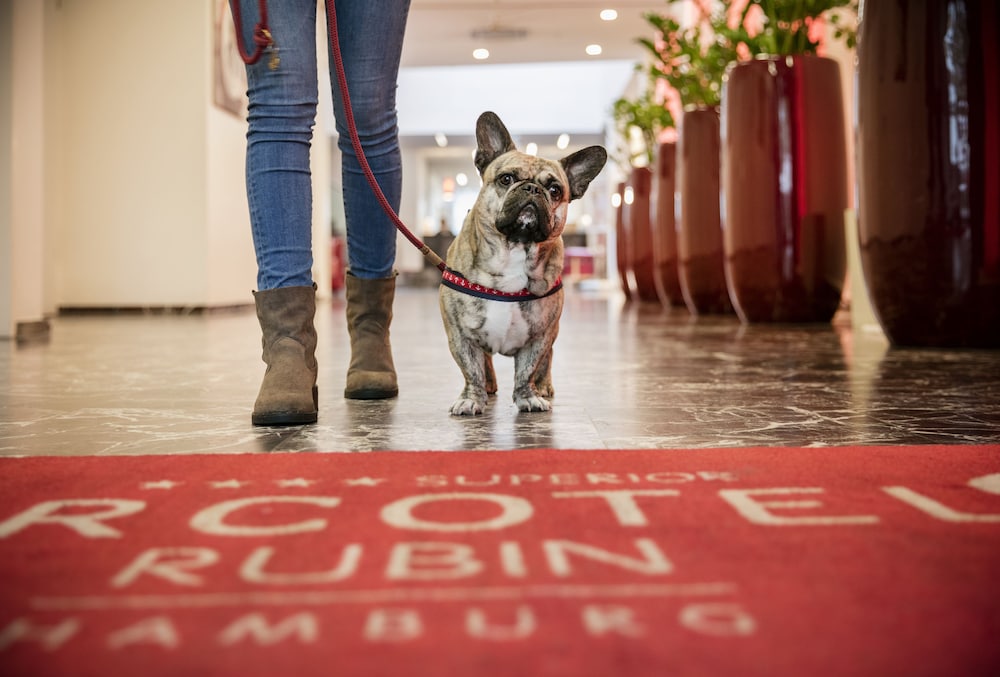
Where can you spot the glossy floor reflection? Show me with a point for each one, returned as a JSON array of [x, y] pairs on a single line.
[[626, 376]]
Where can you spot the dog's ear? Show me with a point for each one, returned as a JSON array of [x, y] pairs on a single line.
[[581, 168], [493, 140]]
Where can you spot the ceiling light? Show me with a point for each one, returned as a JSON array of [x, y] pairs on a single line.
[[608, 15], [462, 179], [593, 50], [531, 148], [480, 53], [562, 142], [441, 140]]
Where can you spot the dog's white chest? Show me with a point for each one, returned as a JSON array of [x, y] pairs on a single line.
[[513, 275], [505, 329]]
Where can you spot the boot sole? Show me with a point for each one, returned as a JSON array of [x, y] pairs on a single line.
[[284, 418], [370, 394]]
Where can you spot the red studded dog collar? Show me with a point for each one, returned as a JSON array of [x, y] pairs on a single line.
[[459, 283]]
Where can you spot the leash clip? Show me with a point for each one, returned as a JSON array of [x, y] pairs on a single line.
[[272, 49]]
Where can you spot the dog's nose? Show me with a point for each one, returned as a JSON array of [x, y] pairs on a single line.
[[531, 188], [528, 217]]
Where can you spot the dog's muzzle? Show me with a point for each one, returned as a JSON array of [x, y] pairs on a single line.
[[525, 215]]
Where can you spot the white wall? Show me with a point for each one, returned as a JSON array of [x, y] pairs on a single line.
[[121, 183], [22, 200], [151, 171], [574, 97], [6, 138]]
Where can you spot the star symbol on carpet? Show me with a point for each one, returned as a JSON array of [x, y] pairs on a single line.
[[988, 483], [159, 484], [364, 482], [227, 484], [296, 482]]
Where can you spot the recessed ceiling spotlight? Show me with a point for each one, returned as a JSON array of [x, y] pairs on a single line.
[[609, 14], [594, 50], [562, 142], [531, 148], [480, 54], [441, 139]]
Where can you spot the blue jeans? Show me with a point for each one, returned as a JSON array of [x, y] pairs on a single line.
[[281, 118]]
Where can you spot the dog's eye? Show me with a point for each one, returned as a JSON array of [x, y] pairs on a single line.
[[556, 191], [505, 179]]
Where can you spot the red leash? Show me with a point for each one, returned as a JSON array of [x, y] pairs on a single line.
[[265, 42], [338, 62], [261, 36]]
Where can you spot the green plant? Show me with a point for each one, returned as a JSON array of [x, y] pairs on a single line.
[[646, 116], [692, 61], [786, 23]]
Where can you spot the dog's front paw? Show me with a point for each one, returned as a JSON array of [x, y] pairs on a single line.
[[545, 390], [464, 406], [532, 403]]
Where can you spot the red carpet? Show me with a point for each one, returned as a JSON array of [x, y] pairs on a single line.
[[837, 561]]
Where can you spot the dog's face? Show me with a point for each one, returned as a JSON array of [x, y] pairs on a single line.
[[527, 196]]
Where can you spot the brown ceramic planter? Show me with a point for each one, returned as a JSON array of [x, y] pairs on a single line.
[[928, 163], [665, 273], [639, 233], [784, 169], [699, 233]]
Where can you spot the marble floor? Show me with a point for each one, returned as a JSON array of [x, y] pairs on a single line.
[[627, 375]]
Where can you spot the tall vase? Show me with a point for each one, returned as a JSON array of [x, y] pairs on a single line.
[[635, 213], [665, 274], [699, 233], [622, 244], [928, 163], [784, 167]]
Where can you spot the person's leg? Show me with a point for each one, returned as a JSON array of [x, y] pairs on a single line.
[[371, 39], [281, 116], [280, 119], [371, 42]]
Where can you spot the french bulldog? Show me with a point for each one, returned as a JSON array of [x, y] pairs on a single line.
[[508, 259]]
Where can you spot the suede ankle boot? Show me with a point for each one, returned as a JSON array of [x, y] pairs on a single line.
[[371, 374], [288, 392]]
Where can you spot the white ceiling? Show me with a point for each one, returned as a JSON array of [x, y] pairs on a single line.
[[541, 81], [441, 32]]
